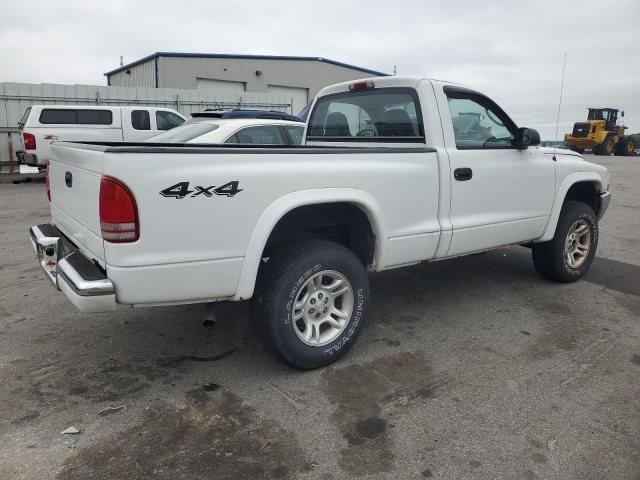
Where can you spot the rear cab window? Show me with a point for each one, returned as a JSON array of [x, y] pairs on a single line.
[[52, 116], [376, 115]]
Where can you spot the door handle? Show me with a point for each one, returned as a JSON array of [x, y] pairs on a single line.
[[68, 179], [462, 174]]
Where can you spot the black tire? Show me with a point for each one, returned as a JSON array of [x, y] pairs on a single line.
[[578, 150], [605, 148], [626, 147], [281, 281], [549, 257]]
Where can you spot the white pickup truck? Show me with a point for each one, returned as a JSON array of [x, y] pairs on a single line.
[[394, 171], [43, 124]]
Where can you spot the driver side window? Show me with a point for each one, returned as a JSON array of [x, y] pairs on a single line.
[[477, 125]]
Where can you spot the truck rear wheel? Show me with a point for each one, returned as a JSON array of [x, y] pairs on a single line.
[[568, 255], [311, 302]]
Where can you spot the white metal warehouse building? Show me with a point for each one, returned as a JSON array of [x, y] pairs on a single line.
[[294, 79]]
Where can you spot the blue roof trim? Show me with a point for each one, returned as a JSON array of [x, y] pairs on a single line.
[[244, 57]]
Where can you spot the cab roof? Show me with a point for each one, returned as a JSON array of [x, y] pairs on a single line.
[[386, 82]]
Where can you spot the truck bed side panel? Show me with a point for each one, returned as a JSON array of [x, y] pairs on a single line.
[[203, 227]]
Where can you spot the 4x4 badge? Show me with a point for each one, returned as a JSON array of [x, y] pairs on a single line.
[[181, 190]]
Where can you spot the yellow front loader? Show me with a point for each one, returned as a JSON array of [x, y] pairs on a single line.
[[601, 133]]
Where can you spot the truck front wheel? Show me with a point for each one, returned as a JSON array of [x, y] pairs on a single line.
[[310, 303], [568, 255]]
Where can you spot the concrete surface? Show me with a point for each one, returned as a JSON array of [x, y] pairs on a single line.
[[474, 368]]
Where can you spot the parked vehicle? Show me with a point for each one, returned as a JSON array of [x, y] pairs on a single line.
[[304, 113], [43, 124], [395, 171], [555, 144], [247, 113], [601, 133], [240, 130]]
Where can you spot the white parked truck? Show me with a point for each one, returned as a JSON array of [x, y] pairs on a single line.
[[394, 171], [43, 124]]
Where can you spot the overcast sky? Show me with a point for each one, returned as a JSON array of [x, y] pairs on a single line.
[[511, 50]]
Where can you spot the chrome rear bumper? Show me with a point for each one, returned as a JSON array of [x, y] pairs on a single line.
[[47, 243], [70, 271]]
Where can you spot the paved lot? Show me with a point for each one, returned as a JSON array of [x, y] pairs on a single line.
[[474, 368]]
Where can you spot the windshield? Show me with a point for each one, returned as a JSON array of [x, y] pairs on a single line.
[[183, 133], [602, 114]]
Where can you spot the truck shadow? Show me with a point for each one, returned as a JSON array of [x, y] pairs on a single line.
[[110, 357], [195, 376], [131, 349]]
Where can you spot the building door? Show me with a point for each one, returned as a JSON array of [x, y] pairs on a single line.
[[225, 86], [296, 96]]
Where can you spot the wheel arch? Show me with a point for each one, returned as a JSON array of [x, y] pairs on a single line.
[[582, 186], [281, 207]]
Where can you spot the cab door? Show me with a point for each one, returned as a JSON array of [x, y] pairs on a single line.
[[500, 194]]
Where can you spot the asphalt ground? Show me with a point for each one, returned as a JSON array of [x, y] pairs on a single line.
[[473, 368]]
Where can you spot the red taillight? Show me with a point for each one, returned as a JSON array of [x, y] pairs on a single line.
[[29, 141], [363, 85], [46, 183], [118, 212]]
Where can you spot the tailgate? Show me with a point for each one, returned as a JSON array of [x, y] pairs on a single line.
[[74, 178]]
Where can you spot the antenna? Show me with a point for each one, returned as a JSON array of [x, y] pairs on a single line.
[[121, 61], [564, 66], [394, 70]]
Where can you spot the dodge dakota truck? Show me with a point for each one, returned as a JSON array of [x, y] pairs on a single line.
[[393, 171]]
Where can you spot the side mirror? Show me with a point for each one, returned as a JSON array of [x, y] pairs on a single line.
[[526, 137], [622, 112]]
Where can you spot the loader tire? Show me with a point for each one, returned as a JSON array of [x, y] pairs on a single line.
[[626, 147], [606, 148]]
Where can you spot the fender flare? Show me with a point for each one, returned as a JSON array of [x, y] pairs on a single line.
[[283, 205], [567, 183]]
